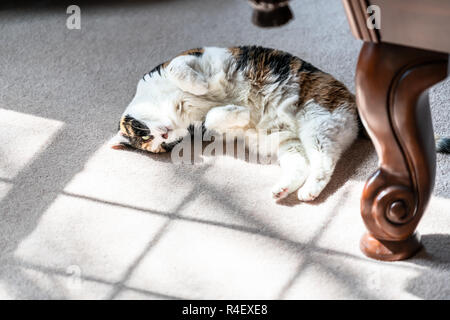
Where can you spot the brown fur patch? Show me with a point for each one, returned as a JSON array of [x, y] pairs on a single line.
[[259, 70], [192, 52], [235, 51], [165, 64], [146, 145], [295, 65], [125, 127], [324, 89], [262, 65]]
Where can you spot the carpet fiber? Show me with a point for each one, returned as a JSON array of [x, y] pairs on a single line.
[[80, 220]]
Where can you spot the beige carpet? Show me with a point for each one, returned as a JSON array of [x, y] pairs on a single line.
[[79, 220]]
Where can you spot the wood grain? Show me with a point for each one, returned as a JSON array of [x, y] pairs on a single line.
[[416, 23], [392, 98]]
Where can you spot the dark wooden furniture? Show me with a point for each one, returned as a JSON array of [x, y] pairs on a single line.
[[396, 66]]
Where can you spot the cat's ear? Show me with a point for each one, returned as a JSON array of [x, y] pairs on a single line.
[[184, 72]]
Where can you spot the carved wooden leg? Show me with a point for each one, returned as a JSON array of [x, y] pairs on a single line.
[[392, 97]]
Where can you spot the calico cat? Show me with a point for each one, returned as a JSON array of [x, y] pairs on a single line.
[[313, 115]]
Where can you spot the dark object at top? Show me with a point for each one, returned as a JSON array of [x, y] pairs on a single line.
[[270, 13]]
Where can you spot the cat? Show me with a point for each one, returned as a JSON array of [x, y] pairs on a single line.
[[248, 87]]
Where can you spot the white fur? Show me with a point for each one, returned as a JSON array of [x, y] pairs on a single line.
[[208, 88]]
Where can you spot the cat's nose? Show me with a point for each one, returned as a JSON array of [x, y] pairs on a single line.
[[165, 135]]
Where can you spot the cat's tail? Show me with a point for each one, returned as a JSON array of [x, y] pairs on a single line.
[[442, 143]]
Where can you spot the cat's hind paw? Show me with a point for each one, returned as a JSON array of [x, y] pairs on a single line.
[[280, 193]]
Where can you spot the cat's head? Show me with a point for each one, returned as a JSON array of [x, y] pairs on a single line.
[[149, 121], [137, 134]]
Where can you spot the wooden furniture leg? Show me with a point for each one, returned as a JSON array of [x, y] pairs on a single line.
[[392, 97]]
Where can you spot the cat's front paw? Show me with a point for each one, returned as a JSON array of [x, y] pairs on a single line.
[[280, 193]]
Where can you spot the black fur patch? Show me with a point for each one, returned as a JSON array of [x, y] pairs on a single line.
[[155, 69], [128, 118], [191, 129], [307, 67], [255, 57], [169, 146], [198, 52], [137, 127]]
